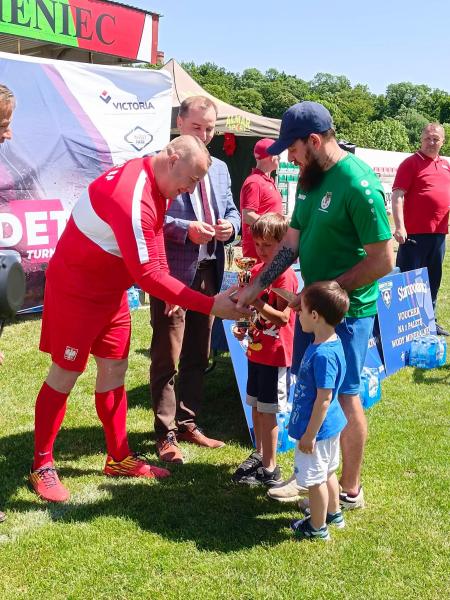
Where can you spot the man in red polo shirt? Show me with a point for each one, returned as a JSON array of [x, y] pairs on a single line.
[[259, 194], [420, 207]]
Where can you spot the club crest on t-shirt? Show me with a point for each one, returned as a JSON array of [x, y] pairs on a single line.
[[326, 200]]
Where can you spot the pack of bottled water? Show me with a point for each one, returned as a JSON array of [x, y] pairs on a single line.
[[284, 442], [370, 390], [427, 352], [133, 298]]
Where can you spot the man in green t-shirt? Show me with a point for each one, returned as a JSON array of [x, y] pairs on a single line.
[[339, 230]]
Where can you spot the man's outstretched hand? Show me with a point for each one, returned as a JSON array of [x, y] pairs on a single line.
[[225, 305]]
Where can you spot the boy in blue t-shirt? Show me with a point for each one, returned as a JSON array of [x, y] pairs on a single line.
[[317, 417]]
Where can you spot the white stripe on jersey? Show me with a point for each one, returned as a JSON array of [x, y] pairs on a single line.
[[136, 217], [93, 227]]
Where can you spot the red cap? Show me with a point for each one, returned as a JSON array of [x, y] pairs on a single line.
[[260, 149]]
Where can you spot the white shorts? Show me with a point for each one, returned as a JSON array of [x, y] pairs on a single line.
[[314, 469]]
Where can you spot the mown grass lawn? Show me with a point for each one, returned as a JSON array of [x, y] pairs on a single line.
[[196, 536]]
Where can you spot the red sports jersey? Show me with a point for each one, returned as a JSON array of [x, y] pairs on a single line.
[[259, 194], [114, 238], [270, 344], [426, 183]]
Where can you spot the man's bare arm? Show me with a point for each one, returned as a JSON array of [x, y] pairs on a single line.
[[398, 199], [284, 258], [378, 263], [249, 216], [286, 254]]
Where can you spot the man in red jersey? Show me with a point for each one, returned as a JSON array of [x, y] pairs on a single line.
[[114, 238], [420, 207], [259, 194]]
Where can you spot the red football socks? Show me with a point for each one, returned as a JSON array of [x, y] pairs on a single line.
[[48, 415], [112, 411]]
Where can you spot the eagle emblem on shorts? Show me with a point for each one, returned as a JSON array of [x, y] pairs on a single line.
[[326, 200], [70, 353]]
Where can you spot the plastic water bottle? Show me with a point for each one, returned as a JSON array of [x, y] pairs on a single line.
[[442, 352], [418, 354], [133, 298], [370, 390], [281, 422], [428, 352], [284, 441]]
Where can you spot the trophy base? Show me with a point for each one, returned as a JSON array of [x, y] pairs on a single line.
[[243, 323]]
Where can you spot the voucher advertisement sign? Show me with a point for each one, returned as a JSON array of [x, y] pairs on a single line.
[[405, 312], [72, 122]]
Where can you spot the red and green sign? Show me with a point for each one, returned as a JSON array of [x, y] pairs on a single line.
[[94, 25]]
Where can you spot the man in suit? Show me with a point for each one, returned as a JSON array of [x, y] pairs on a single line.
[[196, 227]]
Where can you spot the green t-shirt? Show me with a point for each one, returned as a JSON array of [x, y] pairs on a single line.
[[335, 221]]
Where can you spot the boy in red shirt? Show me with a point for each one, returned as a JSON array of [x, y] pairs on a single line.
[[269, 355]]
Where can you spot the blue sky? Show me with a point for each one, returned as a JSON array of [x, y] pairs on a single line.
[[375, 43]]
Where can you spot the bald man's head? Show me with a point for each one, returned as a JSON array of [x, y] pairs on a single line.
[[180, 165]]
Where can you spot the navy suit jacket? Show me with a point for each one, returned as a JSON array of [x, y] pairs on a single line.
[[182, 254]]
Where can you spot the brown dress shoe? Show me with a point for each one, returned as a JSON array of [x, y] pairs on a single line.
[[195, 435], [168, 449], [2, 516]]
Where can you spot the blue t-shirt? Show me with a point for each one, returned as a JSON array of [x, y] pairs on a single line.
[[322, 367]]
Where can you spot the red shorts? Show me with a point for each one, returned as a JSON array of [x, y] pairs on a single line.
[[73, 328]]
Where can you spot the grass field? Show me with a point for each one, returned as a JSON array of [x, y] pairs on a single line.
[[195, 535]]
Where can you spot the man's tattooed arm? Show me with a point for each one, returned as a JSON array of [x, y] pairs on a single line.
[[284, 259]]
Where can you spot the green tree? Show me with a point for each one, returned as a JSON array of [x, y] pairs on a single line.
[[248, 99], [219, 91], [357, 104], [252, 78], [325, 84], [277, 98], [445, 150], [407, 95], [444, 111], [389, 134], [414, 123]]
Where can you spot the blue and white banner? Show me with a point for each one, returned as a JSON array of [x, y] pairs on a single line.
[[405, 312], [72, 122]]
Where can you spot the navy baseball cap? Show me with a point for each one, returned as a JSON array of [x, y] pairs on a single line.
[[299, 121]]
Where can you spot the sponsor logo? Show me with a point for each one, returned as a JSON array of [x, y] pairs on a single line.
[[139, 138], [70, 353], [326, 201], [105, 97], [419, 287], [301, 197], [386, 293], [126, 105]]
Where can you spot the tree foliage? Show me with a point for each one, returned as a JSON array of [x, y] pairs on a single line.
[[390, 121]]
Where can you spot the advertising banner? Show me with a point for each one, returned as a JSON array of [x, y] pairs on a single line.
[[94, 25], [405, 312], [72, 122]]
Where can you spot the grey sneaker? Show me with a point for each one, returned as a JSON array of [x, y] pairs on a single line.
[[287, 491], [247, 467], [351, 502], [262, 477]]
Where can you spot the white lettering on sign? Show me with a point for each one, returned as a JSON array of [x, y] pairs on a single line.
[[10, 230], [419, 287]]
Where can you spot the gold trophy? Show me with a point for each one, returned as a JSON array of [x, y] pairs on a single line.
[[245, 264]]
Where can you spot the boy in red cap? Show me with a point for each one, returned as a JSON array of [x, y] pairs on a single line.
[[259, 194]]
